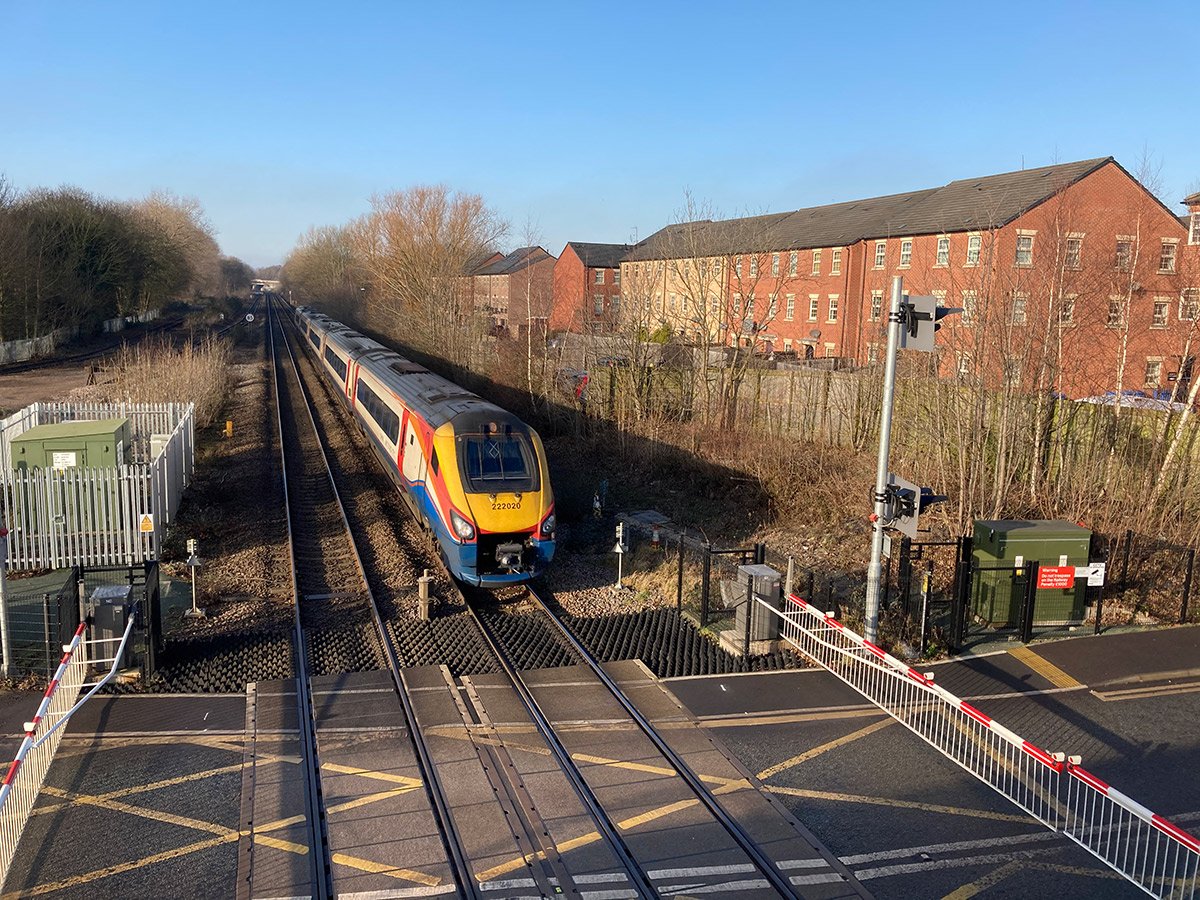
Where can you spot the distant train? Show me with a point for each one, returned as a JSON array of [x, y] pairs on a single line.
[[473, 474]]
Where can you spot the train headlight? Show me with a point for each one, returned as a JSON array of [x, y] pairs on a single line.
[[548, 524], [464, 529]]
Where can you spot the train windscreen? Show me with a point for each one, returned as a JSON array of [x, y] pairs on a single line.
[[497, 462]]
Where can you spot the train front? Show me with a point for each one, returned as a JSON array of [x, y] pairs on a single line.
[[505, 535]]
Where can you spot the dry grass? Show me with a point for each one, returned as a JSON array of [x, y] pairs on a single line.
[[158, 372]]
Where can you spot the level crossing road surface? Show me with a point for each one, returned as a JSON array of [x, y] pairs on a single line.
[[910, 823], [145, 798]]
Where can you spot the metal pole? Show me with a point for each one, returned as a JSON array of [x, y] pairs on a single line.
[[926, 586], [679, 583], [871, 627], [5, 631], [1187, 586]]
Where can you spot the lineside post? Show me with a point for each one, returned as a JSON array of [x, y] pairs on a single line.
[[874, 572]]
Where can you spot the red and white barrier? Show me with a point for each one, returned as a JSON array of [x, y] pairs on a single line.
[[1156, 855], [25, 774]]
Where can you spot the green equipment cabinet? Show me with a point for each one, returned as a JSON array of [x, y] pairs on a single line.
[[102, 443], [998, 588]]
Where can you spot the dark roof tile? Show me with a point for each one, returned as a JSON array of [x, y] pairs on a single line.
[[599, 256]]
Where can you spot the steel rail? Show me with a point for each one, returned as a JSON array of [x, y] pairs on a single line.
[[767, 866], [320, 862], [603, 822], [451, 839]]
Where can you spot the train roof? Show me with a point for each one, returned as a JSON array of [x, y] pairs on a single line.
[[436, 399]]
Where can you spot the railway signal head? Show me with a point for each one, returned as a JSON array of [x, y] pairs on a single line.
[[921, 319], [906, 503]]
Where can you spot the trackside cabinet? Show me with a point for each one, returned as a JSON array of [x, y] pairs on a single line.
[[997, 589], [69, 445]]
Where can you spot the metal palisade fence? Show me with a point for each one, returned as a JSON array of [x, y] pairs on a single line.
[[113, 515], [1156, 855]]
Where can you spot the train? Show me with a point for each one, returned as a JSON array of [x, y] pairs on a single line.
[[474, 475]]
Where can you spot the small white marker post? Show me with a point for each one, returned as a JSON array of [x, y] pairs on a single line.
[[619, 549], [193, 564]]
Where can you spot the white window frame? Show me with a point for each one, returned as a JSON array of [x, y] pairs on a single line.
[[816, 262], [1194, 229], [876, 306], [1189, 304], [835, 261], [616, 276], [834, 302], [872, 354], [774, 265], [1173, 243], [830, 349], [1020, 304], [1163, 304], [1066, 310], [753, 265], [1077, 241], [1115, 305], [599, 277], [1024, 234], [1154, 363], [1123, 264], [773, 307], [974, 248], [814, 307], [793, 263], [970, 307], [964, 365], [789, 308], [880, 254], [598, 304], [906, 248], [943, 252]]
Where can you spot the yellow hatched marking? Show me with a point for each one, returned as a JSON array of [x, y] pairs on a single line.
[[378, 776], [652, 815], [824, 748], [366, 865], [1045, 668], [153, 814], [992, 878], [369, 798], [280, 844], [143, 788], [1141, 693], [119, 869], [899, 804]]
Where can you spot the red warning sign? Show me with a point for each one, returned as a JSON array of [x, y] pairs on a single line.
[[1056, 578]]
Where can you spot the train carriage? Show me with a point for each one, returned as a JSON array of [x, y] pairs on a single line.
[[474, 474]]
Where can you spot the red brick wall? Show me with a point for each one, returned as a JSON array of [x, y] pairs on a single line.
[[574, 293]]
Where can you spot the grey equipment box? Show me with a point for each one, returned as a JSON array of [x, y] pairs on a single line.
[[111, 605], [758, 583]]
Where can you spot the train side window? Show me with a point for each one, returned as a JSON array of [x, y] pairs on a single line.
[[433, 462]]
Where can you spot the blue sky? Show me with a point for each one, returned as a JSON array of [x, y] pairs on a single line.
[[577, 121]]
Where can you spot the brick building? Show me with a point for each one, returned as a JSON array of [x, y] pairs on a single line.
[[1073, 278], [587, 287], [516, 290]]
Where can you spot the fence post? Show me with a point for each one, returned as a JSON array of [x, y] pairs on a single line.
[[1187, 586], [705, 583], [790, 582], [49, 643], [679, 582], [749, 613], [1125, 559], [1030, 600], [760, 554], [926, 586], [962, 591], [904, 572]]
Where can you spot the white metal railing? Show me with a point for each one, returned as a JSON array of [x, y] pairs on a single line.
[[28, 770], [1156, 855]]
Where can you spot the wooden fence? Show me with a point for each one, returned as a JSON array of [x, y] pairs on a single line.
[[97, 516]]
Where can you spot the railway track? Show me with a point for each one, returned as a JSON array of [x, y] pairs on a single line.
[[336, 604]]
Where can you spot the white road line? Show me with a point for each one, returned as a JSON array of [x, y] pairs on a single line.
[[817, 863], [431, 891], [696, 871], [507, 884], [954, 847], [823, 878], [956, 863], [728, 888], [600, 878]]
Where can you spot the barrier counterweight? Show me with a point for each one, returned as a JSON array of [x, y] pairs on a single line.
[[1156, 855], [27, 771]]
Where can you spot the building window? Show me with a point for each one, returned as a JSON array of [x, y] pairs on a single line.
[[816, 268], [599, 276], [906, 253], [876, 305], [1116, 313], [964, 365], [793, 262], [814, 301], [1194, 230], [1124, 254], [774, 265], [598, 304], [1074, 252], [714, 305], [880, 254], [835, 264], [750, 308], [1162, 312], [671, 301], [773, 309], [616, 276], [1153, 371], [1189, 305], [974, 246], [833, 307], [872, 354], [970, 301], [1019, 304], [943, 251], [737, 265], [1024, 250], [1166, 260], [615, 304], [789, 310], [1066, 312], [1012, 372], [830, 350], [754, 266]]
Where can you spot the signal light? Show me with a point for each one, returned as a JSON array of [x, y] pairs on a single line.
[[906, 503], [922, 317]]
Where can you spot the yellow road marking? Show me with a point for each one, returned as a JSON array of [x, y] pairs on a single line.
[[1141, 693], [1045, 668], [120, 868], [512, 865], [824, 748], [992, 878], [280, 844], [366, 865], [153, 814], [369, 798], [142, 788], [789, 718], [367, 773], [900, 804]]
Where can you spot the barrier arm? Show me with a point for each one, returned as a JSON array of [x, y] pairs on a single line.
[[1151, 852]]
